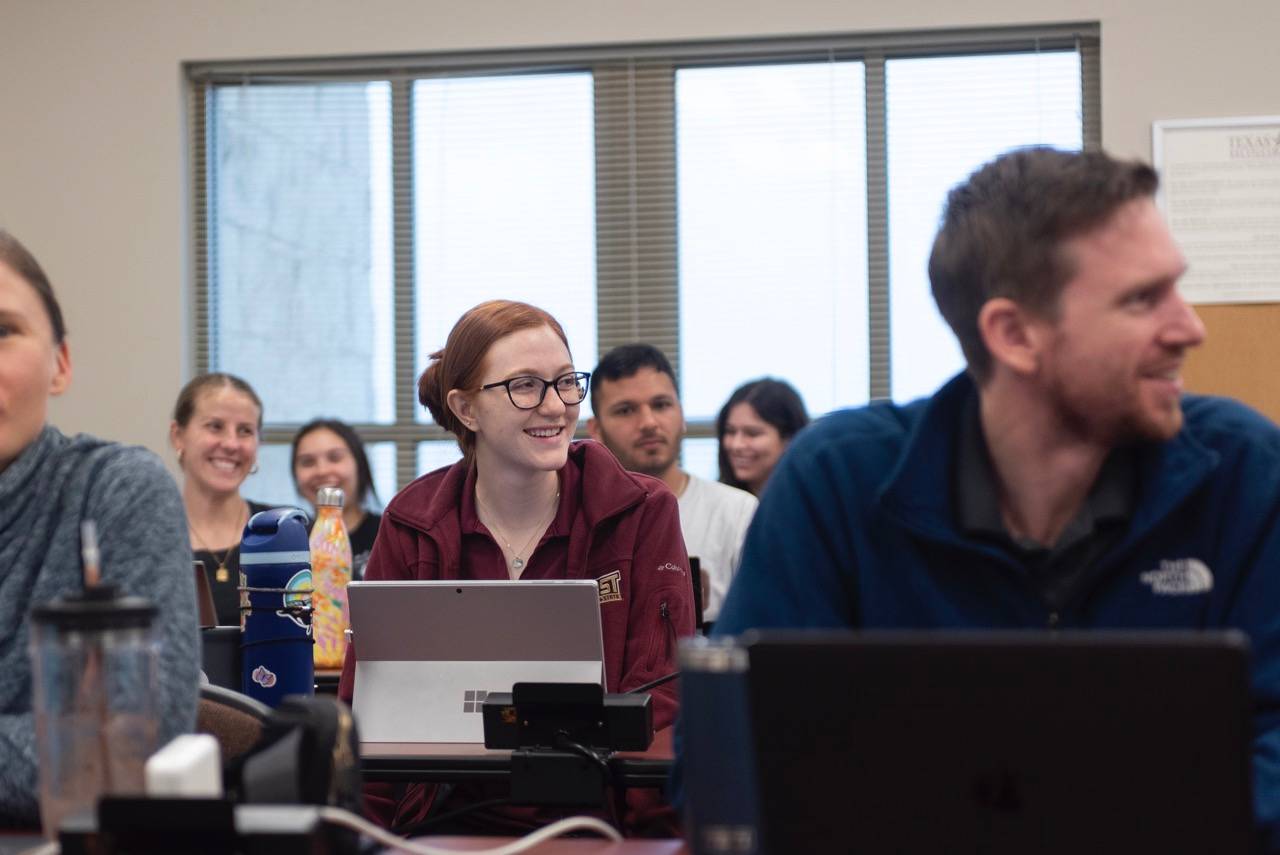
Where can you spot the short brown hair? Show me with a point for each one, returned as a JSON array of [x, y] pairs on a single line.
[[23, 263], [185, 407], [1003, 229], [458, 364]]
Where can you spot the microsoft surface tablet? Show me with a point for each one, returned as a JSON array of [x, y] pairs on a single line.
[[430, 651]]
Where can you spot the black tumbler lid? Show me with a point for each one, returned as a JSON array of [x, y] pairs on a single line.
[[97, 607]]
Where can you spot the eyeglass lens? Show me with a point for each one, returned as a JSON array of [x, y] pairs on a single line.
[[528, 392]]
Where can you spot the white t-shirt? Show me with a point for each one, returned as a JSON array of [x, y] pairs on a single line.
[[714, 519]]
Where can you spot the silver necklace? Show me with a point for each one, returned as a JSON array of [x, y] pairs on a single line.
[[517, 561]]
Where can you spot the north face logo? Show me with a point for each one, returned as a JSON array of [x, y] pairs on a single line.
[[1179, 577]]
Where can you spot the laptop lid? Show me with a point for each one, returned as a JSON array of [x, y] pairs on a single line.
[[931, 742], [429, 652]]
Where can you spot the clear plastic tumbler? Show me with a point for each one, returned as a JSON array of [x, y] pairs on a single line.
[[95, 659]]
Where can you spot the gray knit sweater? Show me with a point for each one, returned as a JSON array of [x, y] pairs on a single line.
[[44, 494]]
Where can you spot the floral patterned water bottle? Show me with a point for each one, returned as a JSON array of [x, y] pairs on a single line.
[[330, 573]]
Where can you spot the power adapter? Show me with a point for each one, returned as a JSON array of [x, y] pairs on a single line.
[[188, 767]]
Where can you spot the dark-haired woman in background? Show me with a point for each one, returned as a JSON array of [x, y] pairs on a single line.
[[754, 427], [329, 453], [216, 422]]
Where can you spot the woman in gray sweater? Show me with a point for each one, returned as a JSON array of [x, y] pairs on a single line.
[[49, 483]]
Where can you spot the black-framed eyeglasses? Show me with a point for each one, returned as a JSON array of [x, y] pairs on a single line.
[[527, 392]]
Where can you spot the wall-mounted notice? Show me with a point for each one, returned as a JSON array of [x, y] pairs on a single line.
[[1220, 189]]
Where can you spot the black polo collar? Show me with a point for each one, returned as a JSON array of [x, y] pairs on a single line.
[[1113, 497]]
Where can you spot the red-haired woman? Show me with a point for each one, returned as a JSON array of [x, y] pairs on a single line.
[[526, 502]]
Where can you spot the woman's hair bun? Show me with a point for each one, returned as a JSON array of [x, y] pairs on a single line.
[[431, 391]]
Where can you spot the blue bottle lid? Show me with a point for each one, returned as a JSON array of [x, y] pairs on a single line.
[[277, 536]]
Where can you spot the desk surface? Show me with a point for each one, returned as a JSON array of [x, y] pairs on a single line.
[[471, 761], [563, 846]]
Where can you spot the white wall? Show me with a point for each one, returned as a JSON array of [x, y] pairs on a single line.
[[92, 135]]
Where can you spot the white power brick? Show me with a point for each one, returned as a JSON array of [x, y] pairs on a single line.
[[189, 767]]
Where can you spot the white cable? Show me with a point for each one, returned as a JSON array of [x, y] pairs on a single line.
[[347, 819]]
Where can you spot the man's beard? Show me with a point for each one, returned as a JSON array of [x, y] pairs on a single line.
[[647, 465], [1109, 419]]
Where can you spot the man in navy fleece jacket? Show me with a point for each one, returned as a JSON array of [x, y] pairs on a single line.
[[1064, 480]]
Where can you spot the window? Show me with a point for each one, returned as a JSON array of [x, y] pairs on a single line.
[[946, 116], [504, 175], [752, 208], [299, 288], [772, 202]]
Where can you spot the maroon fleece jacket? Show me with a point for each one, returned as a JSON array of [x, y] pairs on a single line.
[[616, 526]]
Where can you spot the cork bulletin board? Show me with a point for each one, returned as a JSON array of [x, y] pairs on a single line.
[[1240, 356]]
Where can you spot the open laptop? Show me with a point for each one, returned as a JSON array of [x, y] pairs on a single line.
[[430, 652], [1002, 742]]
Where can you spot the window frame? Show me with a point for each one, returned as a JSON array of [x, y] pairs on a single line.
[[637, 287]]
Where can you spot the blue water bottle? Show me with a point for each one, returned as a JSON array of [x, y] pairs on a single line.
[[720, 794], [275, 606]]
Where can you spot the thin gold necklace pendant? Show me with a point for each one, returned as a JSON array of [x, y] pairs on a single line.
[[517, 564], [222, 574]]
